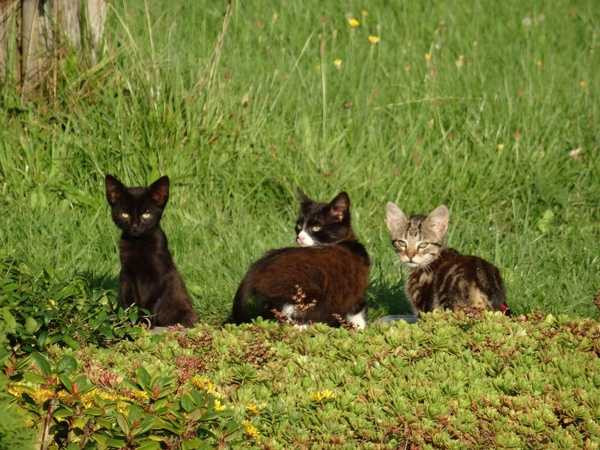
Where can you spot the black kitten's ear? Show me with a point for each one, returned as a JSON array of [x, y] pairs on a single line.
[[304, 200], [339, 206], [114, 189], [302, 197], [159, 191]]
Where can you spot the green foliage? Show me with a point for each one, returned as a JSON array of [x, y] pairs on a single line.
[[143, 411], [37, 311], [15, 433], [450, 381]]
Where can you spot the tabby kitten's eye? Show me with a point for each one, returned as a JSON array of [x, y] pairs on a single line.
[[422, 245], [315, 228], [146, 216], [399, 244], [124, 215]]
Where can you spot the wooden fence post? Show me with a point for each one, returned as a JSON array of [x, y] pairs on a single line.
[[7, 25], [96, 17], [43, 27]]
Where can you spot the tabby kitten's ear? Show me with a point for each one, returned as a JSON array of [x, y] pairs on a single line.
[[437, 222], [114, 189], [339, 206], [395, 219], [159, 191]]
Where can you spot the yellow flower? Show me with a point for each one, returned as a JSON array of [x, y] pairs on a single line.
[[253, 408], [123, 407], [65, 397], [140, 396], [218, 405], [321, 396], [428, 56], [337, 63], [500, 147], [105, 395], [374, 39], [353, 22], [583, 84], [250, 429], [205, 384], [15, 390], [88, 398], [42, 395]]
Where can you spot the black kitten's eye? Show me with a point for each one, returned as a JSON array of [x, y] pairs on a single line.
[[315, 228], [422, 245], [124, 215], [146, 215], [400, 244]]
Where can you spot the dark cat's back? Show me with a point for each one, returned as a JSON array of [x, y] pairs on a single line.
[[323, 281], [334, 276]]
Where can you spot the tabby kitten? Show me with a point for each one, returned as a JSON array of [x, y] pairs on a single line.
[[323, 280], [148, 278], [441, 277]]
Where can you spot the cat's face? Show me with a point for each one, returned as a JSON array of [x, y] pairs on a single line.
[[137, 210], [417, 239], [323, 223]]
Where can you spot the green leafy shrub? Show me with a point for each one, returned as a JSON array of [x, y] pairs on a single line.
[[449, 381], [144, 411], [37, 310], [15, 432]]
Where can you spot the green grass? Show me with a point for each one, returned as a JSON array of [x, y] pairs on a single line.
[[475, 104], [491, 139]]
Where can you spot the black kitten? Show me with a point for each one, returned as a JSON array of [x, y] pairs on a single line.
[[324, 280], [148, 278]]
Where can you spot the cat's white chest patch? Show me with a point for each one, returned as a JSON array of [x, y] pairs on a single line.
[[358, 320], [304, 239], [288, 311]]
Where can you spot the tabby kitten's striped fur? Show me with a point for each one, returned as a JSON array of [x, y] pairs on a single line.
[[441, 277]]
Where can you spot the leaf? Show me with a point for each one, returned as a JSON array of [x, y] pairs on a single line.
[[72, 343], [67, 364], [83, 384], [148, 445], [42, 362], [187, 403], [62, 413], [31, 325], [546, 221], [192, 444], [122, 422], [34, 378], [146, 425], [67, 383], [143, 378], [10, 323]]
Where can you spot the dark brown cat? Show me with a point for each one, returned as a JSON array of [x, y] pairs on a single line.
[[148, 278], [323, 281], [441, 277]]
